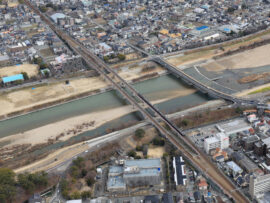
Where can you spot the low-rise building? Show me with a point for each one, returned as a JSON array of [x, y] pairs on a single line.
[[134, 173], [179, 171], [221, 140], [234, 169]]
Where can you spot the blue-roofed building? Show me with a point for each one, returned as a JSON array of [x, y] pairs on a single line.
[[198, 31], [204, 27], [12, 78], [179, 171]]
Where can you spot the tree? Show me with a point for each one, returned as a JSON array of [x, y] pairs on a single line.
[[38, 60], [231, 10], [46, 73], [79, 162], [85, 194], [43, 9], [43, 65], [75, 195], [32, 181], [83, 172], [158, 142], [139, 133], [185, 122], [90, 181], [106, 58], [74, 171], [25, 75], [139, 148], [121, 57], [25, 183], [7, 185], [238, 110], [64, 187], [132, 153]]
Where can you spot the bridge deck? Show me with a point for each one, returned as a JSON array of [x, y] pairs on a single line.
[[193, 72]]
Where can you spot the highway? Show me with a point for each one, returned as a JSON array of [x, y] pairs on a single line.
[[177, 138]]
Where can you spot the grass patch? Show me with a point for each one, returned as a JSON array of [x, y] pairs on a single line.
[[265, 89]]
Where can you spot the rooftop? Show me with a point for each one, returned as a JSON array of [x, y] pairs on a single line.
[[12, 78], [233, 166], [116, 182], [143, 163], [202, 27], [235, 126]]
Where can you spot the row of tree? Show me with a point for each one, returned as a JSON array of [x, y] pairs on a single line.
[[80, 169], [29, 182], [121, 57]]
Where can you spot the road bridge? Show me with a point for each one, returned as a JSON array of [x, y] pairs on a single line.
[[177, 137], [212, 89]]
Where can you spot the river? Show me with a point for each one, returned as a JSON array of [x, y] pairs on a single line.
[[153, 89]]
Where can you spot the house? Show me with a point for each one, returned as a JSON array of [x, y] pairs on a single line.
[[202, 184]]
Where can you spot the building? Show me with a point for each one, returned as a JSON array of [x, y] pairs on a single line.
[[74, 201], [267, 157], [234, 169], [258, 185], [142, 172], [259, 148], [249, 142], [266, 142], [134, 173], [57, 16], [234, 127], [179, 171], [116, 183], [36, 198], [4, 60], [167, 198], [244, 162], [13, 78], [202, 184], [221, 140]]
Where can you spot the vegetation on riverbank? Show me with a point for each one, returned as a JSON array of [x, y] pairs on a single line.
[[262, 90]]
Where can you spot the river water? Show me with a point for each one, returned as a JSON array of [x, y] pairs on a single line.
[[153, 89]]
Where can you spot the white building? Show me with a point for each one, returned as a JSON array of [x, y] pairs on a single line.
[[259, 185], [221, 140], [234, 168]]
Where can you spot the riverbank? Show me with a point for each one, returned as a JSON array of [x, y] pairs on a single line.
[[29, 99]]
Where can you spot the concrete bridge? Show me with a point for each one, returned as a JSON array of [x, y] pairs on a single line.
[[212, 89]]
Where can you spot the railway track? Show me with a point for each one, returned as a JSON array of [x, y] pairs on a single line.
[[177, 138]]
